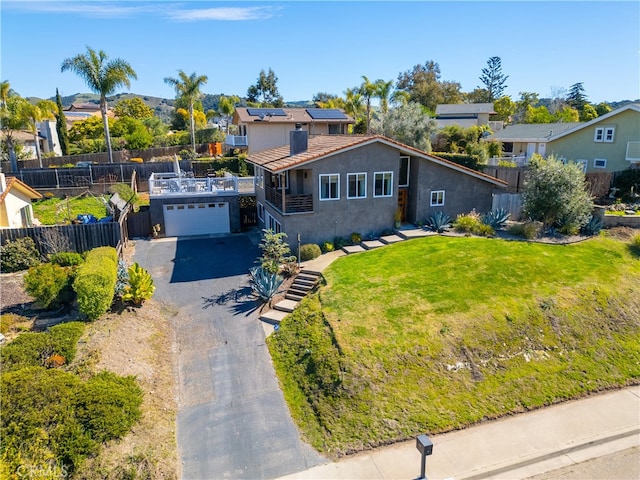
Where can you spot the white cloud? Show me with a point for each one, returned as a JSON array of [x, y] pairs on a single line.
[[222, 14]]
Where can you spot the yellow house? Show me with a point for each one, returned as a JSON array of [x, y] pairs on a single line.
[[15, 203]]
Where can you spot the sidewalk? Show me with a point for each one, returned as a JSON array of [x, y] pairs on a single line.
[[512, 448]]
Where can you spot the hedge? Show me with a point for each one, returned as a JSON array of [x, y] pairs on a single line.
[[95, 282]]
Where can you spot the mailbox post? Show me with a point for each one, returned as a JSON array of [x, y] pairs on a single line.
[[425, 447]]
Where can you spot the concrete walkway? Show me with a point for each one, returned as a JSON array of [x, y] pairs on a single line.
[[516, 447]]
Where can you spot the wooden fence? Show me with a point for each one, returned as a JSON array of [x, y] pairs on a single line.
[[513, 176], [72, 238], [511, 202]]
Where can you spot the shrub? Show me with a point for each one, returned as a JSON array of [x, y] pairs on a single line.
[[122, 279], [339, 242], [628, 183], [496, 218], [309, 251], [11, 322], [95, 281], [356, 238], [593, 226], [275, 251], [66, 259], [140, 286], [635, 244], [471, 223], [49, 284], [34, 349], [290, 267], [264, 284], [439, 222], [528, 230], [19, 255], [327, 247]]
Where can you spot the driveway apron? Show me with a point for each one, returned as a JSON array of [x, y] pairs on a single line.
[[232, 420]]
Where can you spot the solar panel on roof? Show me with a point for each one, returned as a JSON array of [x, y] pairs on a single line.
[[326, 114], [274, 112]]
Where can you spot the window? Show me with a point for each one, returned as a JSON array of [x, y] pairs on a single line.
[[277, 180], [259, 177], [260, 211], [330, 187], [583, 164], [437, 198], [403, 180], [25, 215], [604, 134], [599, 163], [357, 185], [633, 151], [383, 184], [273, 224]]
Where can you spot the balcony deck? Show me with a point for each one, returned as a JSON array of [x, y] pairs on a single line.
[[171, 184], [294, 203]]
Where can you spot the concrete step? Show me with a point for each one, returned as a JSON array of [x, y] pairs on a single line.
[[298, 291], [305, 281], [294, 296], [371, 244], [414, 233], [273, 316], [349, 249], [286, 305], [389, 239]]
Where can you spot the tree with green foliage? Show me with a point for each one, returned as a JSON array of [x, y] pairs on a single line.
[[132, 108], [588, 113], [226, 107], [409, 124], [103, 77], [264, 93], [43, 110], [354, 106], [505, 108], [493, 79], [368, 90], [61, 126], [423, 85], [134, 132], [275, 251], [555, 194], [576, 97], [187, 88]]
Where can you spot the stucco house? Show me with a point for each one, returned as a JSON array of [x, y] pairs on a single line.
[[609, 143], [326, 186], [15, 203], [264, 128]]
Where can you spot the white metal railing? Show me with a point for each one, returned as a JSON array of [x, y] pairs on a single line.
[[236, 140], [161, 184]]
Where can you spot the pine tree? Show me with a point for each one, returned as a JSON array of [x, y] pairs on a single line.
[[493, 79], [576, 97], [61, 126]]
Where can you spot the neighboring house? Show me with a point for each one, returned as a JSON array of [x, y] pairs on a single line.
[[609, 143], [15, 203], [521, 140], [466, 115], [326, 186], [28, 143], [264, 128]]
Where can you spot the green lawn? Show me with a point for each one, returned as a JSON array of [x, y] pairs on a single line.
[[439, 333], [54, 211]]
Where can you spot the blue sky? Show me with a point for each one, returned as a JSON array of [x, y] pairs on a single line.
[[326, 46]]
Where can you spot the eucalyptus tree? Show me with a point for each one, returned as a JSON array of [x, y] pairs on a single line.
[[187, 88], [407, 123], [102, 76]]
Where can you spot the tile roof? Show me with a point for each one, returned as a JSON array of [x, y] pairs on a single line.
[[13, 182], [322, 146]]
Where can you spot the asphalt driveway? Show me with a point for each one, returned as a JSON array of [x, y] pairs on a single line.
[[232, 418]]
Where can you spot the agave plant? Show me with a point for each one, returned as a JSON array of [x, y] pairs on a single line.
[[593, 226], [264, 284], [496, 218], [439, 222]]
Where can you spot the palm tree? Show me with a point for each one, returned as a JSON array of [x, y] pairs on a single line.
[[226, 107], [383, 92], [188, 88], [4, 93], [353, 104], [103, 77], [33, 114], [368, 90]]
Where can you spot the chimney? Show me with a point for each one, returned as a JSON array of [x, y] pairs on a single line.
[[298, 142]]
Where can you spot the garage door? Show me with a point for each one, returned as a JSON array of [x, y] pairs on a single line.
[[196, 219]]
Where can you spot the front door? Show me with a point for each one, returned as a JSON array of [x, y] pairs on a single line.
[[402, 202]]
